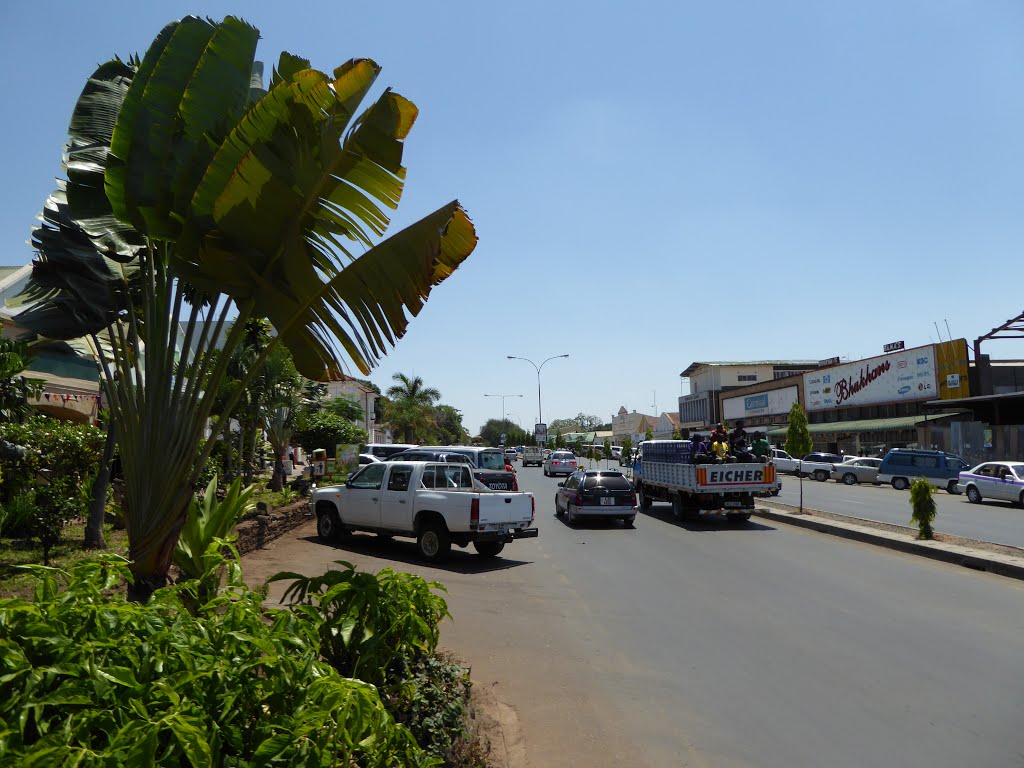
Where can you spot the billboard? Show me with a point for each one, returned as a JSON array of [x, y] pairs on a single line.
[[951, 369], [902, 376], [771, 403]]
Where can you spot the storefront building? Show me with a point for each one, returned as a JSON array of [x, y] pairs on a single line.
[[864, 407]]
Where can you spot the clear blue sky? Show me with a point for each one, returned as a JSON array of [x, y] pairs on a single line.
[[652, 183]]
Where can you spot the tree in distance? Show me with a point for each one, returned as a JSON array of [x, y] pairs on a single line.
[[798, 442]]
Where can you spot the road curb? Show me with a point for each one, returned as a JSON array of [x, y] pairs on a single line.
[[967, 556]]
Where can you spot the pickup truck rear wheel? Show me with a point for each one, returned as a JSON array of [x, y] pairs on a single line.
[[488, 548], [820, 475], [434, 542]]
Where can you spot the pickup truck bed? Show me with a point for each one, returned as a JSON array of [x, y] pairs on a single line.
[[664, 473]]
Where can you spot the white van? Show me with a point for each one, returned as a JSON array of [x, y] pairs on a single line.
[[386, 450]]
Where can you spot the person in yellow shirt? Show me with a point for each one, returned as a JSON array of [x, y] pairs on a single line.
[[721, 448]]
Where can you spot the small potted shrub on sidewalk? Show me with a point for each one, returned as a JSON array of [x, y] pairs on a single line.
[[923, 506]]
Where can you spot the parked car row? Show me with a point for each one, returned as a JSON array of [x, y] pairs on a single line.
[[897, 468]]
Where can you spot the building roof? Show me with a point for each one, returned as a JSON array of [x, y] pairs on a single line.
[[894, 424], [723, 363]]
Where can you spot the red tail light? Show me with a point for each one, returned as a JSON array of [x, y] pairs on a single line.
[[634, 499], [533, 508], [578, 499], [474, 515]]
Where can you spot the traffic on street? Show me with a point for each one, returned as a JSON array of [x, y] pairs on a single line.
[[662, 642]]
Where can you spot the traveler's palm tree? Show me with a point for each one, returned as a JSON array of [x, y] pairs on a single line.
[[193, 197]]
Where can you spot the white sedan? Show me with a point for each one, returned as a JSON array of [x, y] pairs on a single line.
[[997, 480]]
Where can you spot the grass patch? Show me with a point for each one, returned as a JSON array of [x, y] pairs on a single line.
[[15, 582]]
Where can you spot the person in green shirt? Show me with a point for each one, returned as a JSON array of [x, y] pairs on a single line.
[[761, 447]]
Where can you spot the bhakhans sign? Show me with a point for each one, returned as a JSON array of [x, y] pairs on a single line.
[[902, 376]]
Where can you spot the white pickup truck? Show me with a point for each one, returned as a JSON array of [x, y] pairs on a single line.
[[438, 504], [533, 454], [663, 472]]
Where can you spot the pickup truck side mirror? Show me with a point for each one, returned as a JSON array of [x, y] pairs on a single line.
[[561, 485], [348, 483]]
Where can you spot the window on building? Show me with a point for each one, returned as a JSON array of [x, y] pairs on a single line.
[[747, 377]]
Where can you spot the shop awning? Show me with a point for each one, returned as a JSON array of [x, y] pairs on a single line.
[[894, 424]]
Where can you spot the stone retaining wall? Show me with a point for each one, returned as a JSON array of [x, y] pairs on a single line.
[[257, 532]]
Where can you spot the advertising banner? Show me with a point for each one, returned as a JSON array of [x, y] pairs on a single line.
[[348, 458], [902, 376], [951, 369], [771, 403]]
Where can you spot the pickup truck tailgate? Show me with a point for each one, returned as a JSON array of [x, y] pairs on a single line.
[[734, 477], [501, 509], [710, 478]]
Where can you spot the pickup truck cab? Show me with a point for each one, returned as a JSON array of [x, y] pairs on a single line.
[[783, 461], [439, 504]]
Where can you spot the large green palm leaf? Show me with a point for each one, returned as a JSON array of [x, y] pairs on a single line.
[[86, 258]]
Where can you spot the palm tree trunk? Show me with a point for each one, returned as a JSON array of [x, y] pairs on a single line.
[[98, 506], [229, 464], [275, 481], [250, 453]]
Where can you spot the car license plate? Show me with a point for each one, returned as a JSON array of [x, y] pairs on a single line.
[[499, 486], [607, 501], [733, 504]]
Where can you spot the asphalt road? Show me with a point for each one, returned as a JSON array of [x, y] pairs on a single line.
[[996, 521], [708, 645]]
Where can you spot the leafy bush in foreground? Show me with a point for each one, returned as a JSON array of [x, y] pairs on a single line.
[[91, 679]]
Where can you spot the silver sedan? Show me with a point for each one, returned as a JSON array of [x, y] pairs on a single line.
[[855, 471]]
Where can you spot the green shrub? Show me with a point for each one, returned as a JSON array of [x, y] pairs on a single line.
[[57, 503], [373, 626], [431, 703], [923, 507], [91, 679], [207, 531], [327, 430], [17, 513], [64, 449]]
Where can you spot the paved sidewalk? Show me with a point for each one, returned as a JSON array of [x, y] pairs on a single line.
[[999, 559]]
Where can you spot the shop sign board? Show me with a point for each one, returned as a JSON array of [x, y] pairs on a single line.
[[899, 377], [893, 346], [951, 369], [770, 403]]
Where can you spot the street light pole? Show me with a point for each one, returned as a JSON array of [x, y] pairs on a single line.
[[502, 404], [540, 413]]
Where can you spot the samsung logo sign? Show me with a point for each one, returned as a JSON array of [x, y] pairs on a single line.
[[904, 390], [754, 402]]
